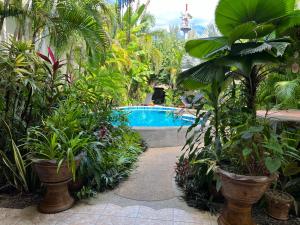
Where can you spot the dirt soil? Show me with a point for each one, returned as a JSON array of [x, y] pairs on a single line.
[[18, 201]]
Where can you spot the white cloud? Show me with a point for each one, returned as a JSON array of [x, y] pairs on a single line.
[[167, 11]]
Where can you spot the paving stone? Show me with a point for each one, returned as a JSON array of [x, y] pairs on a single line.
[[79, 219], [114, 220], [140, 221], [115, 210], [149, 213], [89, 209]]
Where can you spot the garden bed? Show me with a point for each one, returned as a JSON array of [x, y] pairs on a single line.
[[18, 201]]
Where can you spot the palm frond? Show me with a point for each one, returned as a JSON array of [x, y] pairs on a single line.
[[287, 90]]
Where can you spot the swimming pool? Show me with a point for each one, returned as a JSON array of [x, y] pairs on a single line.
[[155, 117], [159, 126]]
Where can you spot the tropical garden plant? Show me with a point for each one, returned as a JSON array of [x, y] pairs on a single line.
[[233, 67], [90, 39], [245, 52]]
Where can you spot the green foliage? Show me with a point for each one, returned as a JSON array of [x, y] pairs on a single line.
[[109, 163], [256, 12], [263, 151], [249, 59], [173, 97], [195, 179], [85, 192], [25, 92], [172, 50], [62, 137], [14, 170], [230, 74]]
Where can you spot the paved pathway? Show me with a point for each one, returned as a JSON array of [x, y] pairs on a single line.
[[138, 201], [281, 115]]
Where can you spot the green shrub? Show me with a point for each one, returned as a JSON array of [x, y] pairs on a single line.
[[105, 166]]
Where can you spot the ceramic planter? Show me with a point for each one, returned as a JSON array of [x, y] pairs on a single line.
[[241, 192], [57, 197], [279, 204]]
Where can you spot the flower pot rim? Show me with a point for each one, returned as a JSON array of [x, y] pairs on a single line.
[[270, 192], [54, 161], [245, 178]]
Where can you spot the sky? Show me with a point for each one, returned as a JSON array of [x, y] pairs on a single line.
[[169, 12]]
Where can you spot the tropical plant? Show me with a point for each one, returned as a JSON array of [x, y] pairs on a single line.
[[136, 59], [14, 170], [172, 50], [54, 81], [257, 150], [250, 58], [111, 161], [20, 107], [233, 66]]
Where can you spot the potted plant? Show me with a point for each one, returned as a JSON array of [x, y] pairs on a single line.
[[279, 201], [55, 157], [246, 52], [255, 154], [279, 204]]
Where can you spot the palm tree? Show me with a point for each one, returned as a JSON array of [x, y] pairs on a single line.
[[252, 40], [60, 20]]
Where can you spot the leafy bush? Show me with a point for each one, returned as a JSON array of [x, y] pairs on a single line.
[[106, 165], [173, 97], [195, 180], [25, 92]]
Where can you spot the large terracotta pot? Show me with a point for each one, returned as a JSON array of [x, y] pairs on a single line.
[[279, 204], [241, 192], [57, 197]]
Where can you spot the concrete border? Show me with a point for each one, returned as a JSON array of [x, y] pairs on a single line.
[[158, 137]]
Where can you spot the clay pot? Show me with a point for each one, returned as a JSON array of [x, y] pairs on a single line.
[[57, 197], [241, 192], [279, 204]]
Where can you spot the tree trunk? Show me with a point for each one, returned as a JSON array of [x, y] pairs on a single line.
[[252, 83]]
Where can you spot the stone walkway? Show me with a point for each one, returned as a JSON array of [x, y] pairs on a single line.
[[138, 201], [281, 115]]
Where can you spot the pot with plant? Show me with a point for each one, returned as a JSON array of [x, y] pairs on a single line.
[[55, 157], [258, 152], [279, 202]]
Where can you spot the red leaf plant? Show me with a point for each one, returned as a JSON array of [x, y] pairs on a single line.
[[55, 63]]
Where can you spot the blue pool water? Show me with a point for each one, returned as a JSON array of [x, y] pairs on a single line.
[[155, 117]]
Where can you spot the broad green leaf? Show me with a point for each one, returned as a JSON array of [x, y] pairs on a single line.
[[250, 30], [231, 14], [272, 164], [288, 21], [290, 5], [204, 73], [202, 48]]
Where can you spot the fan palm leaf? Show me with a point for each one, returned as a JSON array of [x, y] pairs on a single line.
[[286, 90], [233, 14]]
